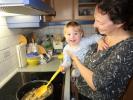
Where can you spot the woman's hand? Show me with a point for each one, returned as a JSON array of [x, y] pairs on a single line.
[[102, 45], [61, 68]]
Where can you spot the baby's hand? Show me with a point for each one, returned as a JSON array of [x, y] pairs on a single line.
[[62, 68], [102, 45]]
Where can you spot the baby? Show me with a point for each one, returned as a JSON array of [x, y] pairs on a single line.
[[77, 44]]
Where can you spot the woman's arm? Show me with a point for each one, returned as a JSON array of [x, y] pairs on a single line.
[[85, 72]]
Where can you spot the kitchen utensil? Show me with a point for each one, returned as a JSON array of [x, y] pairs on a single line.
[[41, 90], [31, 86], [21, 54]]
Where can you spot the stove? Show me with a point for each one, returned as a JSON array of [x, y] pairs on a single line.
[[8, 91]]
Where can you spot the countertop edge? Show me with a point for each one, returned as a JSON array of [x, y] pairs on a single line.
[[2, 83]]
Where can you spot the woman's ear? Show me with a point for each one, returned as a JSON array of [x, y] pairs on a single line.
[[119, 25]]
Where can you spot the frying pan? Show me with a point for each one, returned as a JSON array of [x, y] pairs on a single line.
[[31, 85]]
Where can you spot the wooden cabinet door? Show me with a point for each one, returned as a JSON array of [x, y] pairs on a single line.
[[84, 11], [64, 10]]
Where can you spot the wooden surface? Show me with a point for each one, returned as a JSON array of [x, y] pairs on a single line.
[[76, 10], [63, 10]]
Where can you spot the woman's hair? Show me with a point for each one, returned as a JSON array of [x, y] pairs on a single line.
[[119, 11], [73, 24]]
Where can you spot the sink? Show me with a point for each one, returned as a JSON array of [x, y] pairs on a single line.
[[8, 91]]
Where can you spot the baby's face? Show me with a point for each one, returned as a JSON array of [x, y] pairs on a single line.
[[73, 35]]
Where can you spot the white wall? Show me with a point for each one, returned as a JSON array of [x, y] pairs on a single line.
[[8, 42], [58, 29]]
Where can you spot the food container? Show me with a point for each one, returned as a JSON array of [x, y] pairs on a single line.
[[33, 60]]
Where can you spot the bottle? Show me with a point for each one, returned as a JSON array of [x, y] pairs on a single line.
[[47, 44], [42, 60]]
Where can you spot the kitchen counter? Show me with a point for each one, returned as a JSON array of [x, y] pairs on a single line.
[[49, 67]]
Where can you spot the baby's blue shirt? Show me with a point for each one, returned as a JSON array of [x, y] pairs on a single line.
[[80, 50]]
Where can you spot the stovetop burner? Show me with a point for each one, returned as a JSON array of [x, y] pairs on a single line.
[[8, 91]]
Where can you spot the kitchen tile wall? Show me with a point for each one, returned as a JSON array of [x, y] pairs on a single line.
[[88, 29], [8, 41]]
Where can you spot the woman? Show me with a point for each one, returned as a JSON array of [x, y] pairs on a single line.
[[105, 74]]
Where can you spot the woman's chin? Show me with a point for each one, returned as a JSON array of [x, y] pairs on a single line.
[[102, 34]]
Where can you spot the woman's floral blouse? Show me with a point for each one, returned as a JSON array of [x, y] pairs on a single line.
[[112, 69]]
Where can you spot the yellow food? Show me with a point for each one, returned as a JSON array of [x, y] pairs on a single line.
[[22, 39], [41, 49], [31, 94]]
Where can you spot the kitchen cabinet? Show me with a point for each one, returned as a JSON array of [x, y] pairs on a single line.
[[48, 18], [64, 10], [24, 21], [72, 10], [84, 9], [26, 7]]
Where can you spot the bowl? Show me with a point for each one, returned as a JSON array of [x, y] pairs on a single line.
[[33, 60]]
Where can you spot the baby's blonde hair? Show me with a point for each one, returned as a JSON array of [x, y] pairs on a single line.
[[73, 24]]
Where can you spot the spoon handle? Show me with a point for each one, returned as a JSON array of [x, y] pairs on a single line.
[[53, 77]]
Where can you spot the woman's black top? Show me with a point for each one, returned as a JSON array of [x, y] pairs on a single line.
[[112, 69]]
